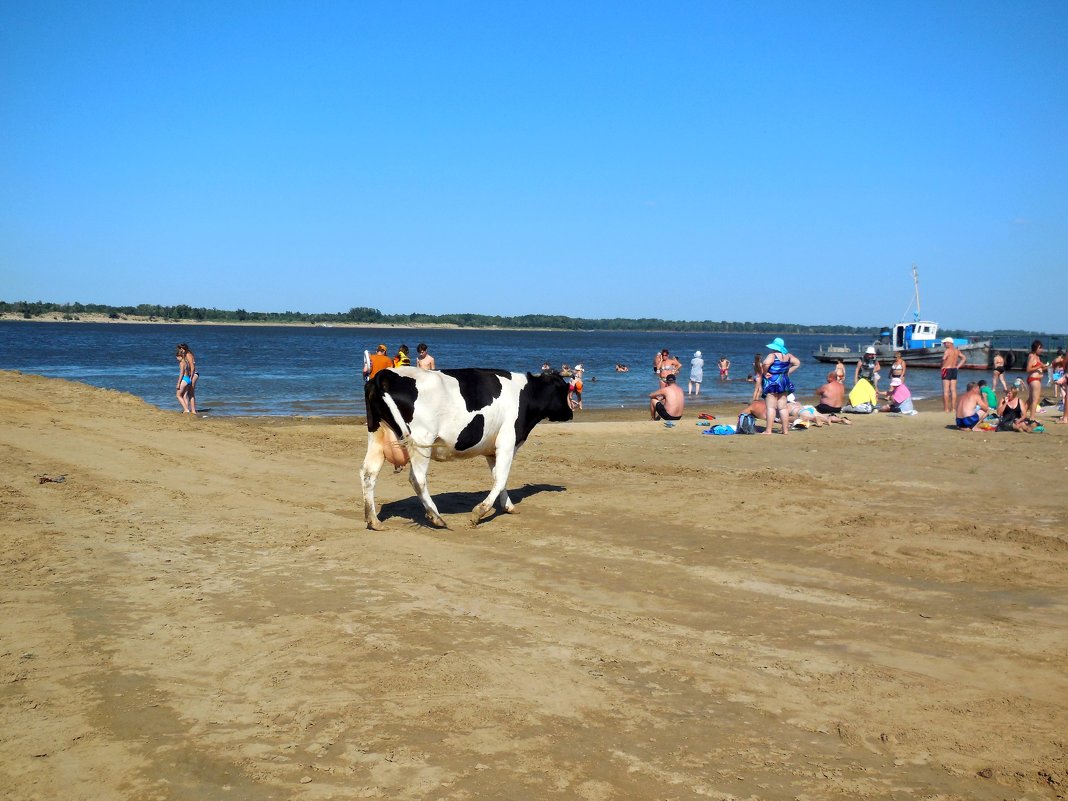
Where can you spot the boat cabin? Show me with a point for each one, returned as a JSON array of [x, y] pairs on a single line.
[[918, 334]]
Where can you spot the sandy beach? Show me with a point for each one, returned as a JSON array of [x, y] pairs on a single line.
[[196, 611]]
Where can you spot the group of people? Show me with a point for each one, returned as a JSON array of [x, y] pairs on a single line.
[[774, 393], [573, 376], [979, 408], [380, 359]]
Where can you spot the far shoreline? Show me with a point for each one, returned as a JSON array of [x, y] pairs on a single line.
[[128, 319]]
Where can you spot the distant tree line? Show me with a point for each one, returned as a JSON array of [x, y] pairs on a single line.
[[371, 316]]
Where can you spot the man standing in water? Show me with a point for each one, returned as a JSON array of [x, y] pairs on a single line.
[[952, 361]]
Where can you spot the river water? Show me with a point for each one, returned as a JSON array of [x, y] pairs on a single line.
[[307, 370]]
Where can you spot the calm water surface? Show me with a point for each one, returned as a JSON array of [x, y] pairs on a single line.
[[306, 370]]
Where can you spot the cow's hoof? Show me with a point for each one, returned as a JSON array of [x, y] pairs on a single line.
[[511, 510], [435, 521], [480, 512], [375, 525]]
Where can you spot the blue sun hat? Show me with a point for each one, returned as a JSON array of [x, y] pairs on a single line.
[[777, 344]]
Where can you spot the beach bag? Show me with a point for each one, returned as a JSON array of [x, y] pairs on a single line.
[[746, 424]]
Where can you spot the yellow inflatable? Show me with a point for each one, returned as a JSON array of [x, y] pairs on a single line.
[[862, 392]]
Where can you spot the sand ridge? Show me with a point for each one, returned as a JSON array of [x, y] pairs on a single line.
[[196, 611]]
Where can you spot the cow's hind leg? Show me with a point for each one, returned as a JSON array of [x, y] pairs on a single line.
[[500, 466], [417, 476], [372, 464]]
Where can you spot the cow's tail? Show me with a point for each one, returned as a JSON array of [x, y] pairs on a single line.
[[381, 408]]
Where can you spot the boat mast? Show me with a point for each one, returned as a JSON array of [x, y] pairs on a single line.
[[916, 283]]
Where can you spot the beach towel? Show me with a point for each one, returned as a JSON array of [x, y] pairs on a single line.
[[721, 430]]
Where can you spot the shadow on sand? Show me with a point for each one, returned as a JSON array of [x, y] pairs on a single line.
[[458, 503]]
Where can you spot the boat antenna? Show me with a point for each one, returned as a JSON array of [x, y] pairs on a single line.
[[916, 298]]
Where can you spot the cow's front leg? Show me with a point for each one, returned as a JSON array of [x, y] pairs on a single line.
[[417, 476], [372, 464], [500, 466]]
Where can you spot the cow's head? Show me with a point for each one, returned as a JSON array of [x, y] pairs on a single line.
[[544, 397]]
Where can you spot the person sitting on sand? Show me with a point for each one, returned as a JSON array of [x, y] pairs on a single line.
[[667, 402], [971, 408], [832, 395], [898, 398], [988, 393], [795, 412], [1011, 413]]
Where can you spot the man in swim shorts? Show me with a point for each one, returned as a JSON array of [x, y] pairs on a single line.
[[972, 408], [667, 402], [832, 395], [952, 360]]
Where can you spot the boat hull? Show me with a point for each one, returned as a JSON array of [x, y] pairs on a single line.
[[978, 355]]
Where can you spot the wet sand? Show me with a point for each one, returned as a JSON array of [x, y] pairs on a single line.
[[197, 612]]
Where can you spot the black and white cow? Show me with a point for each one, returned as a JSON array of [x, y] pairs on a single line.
[[453, 414]]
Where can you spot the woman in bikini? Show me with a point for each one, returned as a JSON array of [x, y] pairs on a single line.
[[181, 389], [839, 370], [1036, 369], [776, 369], [999, 372], [898, 368], [193, 375]]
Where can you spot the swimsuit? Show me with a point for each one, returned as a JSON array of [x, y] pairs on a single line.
[[867, 369], [1009, 415], [971, 421], [663, 413], [823, 408], [186, 379], [999, 369], [949, 373], [895, 371], [777, 379], [1032, 378]]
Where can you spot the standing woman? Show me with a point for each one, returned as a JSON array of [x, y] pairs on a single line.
[[758, 375], [1036, 368], [181, 389], [697, 373], [898, 368], [777, 367], [839, 370], [191, 365]]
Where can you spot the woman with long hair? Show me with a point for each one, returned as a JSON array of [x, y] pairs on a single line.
[[1036, 369]]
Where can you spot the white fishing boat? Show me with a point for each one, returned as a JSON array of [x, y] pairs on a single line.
[[917, 342]]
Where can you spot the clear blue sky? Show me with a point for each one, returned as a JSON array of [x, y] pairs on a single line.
[[708, 160]]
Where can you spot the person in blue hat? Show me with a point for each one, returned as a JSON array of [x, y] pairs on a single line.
[[777, 367]]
